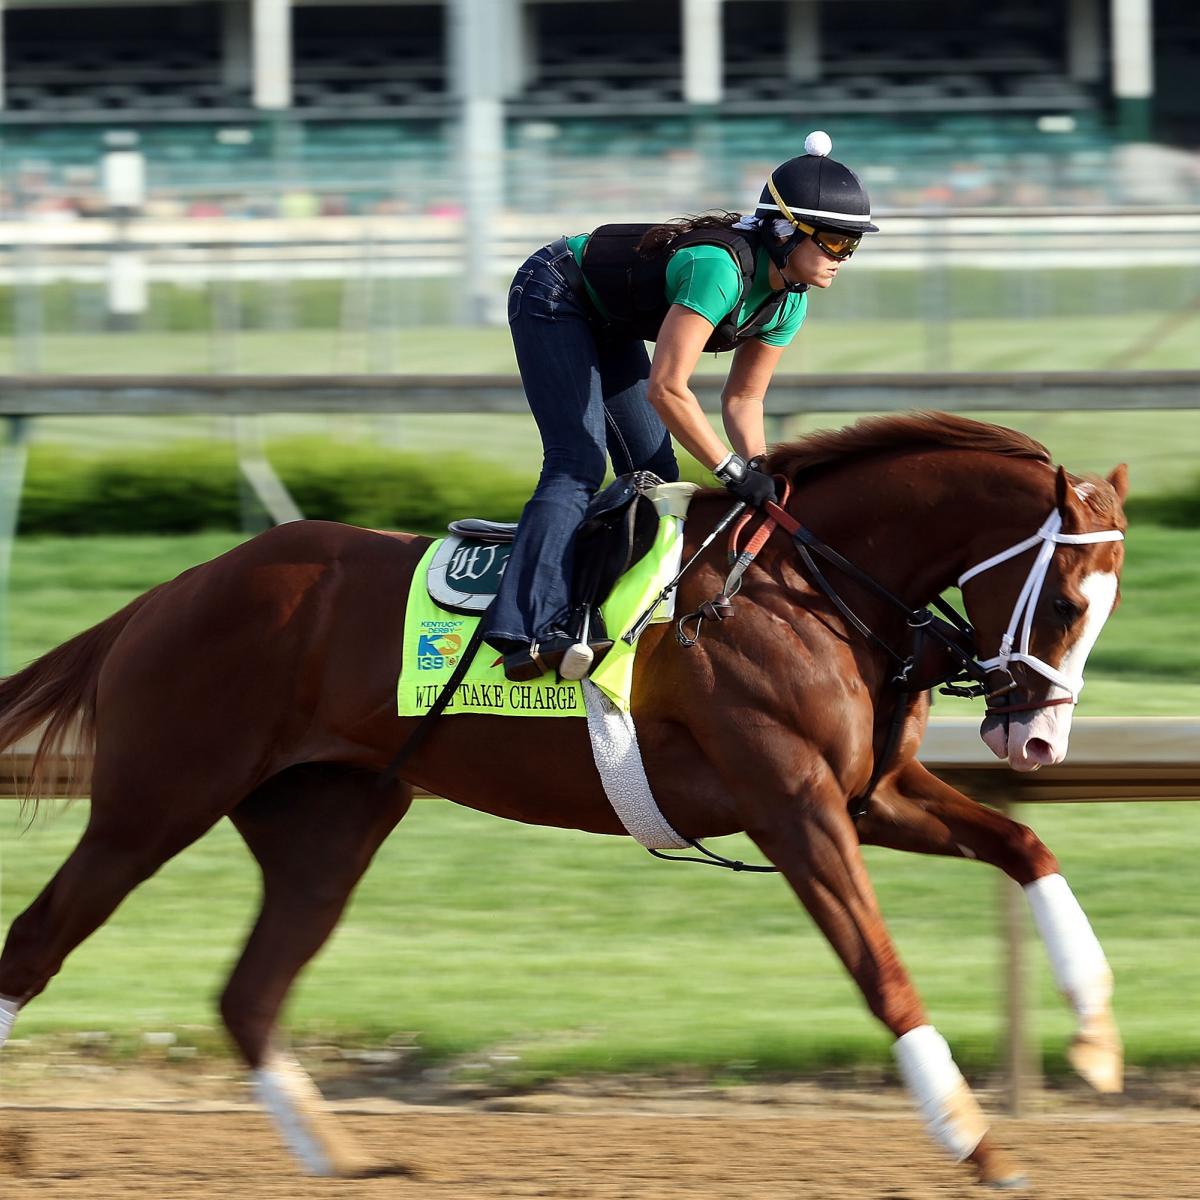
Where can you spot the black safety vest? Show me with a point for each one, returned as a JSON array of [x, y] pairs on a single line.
[[632, 286]]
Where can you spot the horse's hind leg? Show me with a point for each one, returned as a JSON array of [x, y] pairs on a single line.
[[815, 845], [313, 830], [917, 811], [124, 843]]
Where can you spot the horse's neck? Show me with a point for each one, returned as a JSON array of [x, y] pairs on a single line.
[[912, 528]]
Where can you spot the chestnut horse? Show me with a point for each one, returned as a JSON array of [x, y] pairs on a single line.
[[261, 686]]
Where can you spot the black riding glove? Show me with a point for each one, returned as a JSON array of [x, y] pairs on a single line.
[[744, 481]]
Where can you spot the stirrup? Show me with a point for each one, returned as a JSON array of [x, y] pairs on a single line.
[[581, 658], [591, 644]]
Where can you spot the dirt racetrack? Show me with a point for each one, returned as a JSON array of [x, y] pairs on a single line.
[[738, 1151]]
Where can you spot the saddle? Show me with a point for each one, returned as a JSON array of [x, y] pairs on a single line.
[[617, 531]]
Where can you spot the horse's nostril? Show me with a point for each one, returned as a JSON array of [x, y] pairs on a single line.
[[1040, 751]]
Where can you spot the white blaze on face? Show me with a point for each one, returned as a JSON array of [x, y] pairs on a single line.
[[1039, 738]]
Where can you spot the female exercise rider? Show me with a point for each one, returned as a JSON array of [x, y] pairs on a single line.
[[580, 311]]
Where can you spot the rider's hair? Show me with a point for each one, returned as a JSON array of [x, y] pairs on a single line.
[[660, 236]]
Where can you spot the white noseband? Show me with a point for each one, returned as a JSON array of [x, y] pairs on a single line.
[[1050, 538]]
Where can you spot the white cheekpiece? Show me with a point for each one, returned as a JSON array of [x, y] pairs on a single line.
[[8, 1014], [950, 1112], [1080, 969]]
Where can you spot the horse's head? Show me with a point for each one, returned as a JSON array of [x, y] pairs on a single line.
[[1038, 606]]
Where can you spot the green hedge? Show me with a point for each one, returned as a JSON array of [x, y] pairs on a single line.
[[196, 486], [1175, 510]]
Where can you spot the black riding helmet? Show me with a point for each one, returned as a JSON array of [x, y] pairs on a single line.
[[814, 192]]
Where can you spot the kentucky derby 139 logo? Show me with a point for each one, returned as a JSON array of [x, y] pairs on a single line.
[[439, 645]]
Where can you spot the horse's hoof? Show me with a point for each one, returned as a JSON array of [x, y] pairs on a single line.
[[1097, 1055], [1010, 1183], [352, 1164], [995, 1169]]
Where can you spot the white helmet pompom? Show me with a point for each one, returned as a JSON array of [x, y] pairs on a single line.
[[818, 143]]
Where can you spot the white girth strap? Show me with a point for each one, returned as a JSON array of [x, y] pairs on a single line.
[[1021, 621], [619, 763]]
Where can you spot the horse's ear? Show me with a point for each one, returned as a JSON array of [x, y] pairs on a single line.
[[1068, 502], [1120, 481]]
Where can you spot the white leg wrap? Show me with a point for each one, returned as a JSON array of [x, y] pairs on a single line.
[[950, 1112], [1080, 969], [8, 1014], [286, 1092]]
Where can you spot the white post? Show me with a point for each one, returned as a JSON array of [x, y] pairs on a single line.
[[1084, 50], [702, 51], [479, 74], [803, 40], [124, 175], [521, 46], [1133, 65], [236, 67], [272, 54]]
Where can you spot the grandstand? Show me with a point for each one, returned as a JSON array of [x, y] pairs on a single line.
[[985, 96], [149, 63]]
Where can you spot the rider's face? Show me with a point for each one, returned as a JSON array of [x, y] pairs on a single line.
[[808, 263]]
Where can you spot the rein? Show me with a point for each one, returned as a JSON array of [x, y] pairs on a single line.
[[922, 621]]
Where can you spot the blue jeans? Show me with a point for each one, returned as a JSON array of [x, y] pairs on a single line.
[[587, 392]]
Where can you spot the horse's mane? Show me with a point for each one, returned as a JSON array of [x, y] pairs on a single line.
[[907, 431]]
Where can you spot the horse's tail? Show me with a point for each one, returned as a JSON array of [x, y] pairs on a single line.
[[59, 690]]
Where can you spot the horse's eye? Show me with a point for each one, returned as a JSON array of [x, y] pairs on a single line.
[[1066, 610]]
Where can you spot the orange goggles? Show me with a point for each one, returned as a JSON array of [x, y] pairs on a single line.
[[836, 245]]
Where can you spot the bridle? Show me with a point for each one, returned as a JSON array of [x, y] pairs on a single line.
[[955, 634], [1022, 615]]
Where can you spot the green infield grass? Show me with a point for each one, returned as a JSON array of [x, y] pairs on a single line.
[[520, 953], [1036, 342]]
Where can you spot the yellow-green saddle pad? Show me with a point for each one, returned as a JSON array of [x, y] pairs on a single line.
[[434, 638]]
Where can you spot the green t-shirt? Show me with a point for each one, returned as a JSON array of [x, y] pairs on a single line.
[[706, 279]]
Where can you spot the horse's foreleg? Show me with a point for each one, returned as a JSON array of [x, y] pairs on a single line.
[[313, 831], [817, 850], [917, 811]]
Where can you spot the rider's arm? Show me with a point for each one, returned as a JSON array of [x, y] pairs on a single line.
[[680, 343], [754, 364]]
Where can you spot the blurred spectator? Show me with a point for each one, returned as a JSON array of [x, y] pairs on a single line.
[[1148, 174], [970, 184], [164, 208], [298, 205], [52, 208], [204, 209]]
